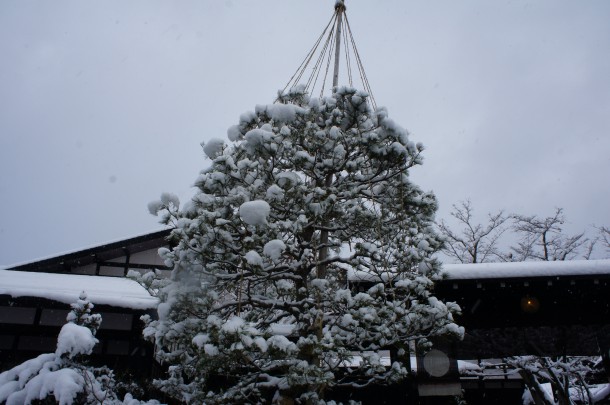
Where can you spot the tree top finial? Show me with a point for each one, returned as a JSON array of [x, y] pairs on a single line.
[[340, 5]]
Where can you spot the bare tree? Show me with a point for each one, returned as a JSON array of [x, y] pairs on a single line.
[[590, 248], [544, 239], [604, 237], [598, 245], [473, 243]]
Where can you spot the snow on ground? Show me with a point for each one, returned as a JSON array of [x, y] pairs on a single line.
[[66, 288]]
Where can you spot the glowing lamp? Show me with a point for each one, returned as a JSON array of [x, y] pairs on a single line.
[[530, 304]]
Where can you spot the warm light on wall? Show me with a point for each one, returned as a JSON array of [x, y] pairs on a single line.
[[530, 304]]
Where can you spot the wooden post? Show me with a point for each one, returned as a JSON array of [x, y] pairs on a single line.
[[328, 181], [340, 8]]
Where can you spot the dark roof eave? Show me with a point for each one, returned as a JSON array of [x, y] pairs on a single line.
[[88, 256]]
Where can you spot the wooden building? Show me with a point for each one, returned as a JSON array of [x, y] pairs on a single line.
[[35, 298], [110, 259], [508, 309], [545, 309]]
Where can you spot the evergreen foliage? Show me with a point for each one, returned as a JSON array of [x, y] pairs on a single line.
[[311, 192], [64, 377], [81, 314]]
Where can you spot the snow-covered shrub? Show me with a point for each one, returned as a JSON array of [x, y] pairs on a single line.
[[308, 192], [64, 376], [564, 380]]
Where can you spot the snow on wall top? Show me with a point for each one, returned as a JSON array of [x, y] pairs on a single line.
[[114, 291], [526, 269], [500, 271]]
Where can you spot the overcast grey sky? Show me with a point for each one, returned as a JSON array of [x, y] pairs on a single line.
[[103, 104]]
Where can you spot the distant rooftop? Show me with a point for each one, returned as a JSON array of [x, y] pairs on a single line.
[[508, 270], [155, 240], [85, 256]]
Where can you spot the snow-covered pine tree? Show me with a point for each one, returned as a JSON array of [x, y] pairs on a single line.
[[310, 192], [81, 314]]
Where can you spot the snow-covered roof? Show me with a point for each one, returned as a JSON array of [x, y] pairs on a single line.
[[511, 270], [527, 269], [114, 291]]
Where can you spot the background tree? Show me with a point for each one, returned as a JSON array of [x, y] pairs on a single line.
[[544, 239], [473, 242], [540, 239], [259, 309], [604, 237], [567, 376]]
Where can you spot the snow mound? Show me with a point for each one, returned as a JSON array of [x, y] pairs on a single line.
[[273, 249], [234, 133], [256, 138], [74, 339], [213, 147], [233, 325], [64, 384], [254, 212], [253, 258], [37, 378], [279, 112], [169, 199], [274, 192]]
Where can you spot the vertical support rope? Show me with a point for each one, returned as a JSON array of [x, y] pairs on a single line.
[[336, 33], [365, 81], [301, 69], [330, 49], [328, 44], [348, 63]]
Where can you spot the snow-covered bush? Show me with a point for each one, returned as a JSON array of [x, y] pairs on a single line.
[[565, 379], [308, 193], [63, 375]]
